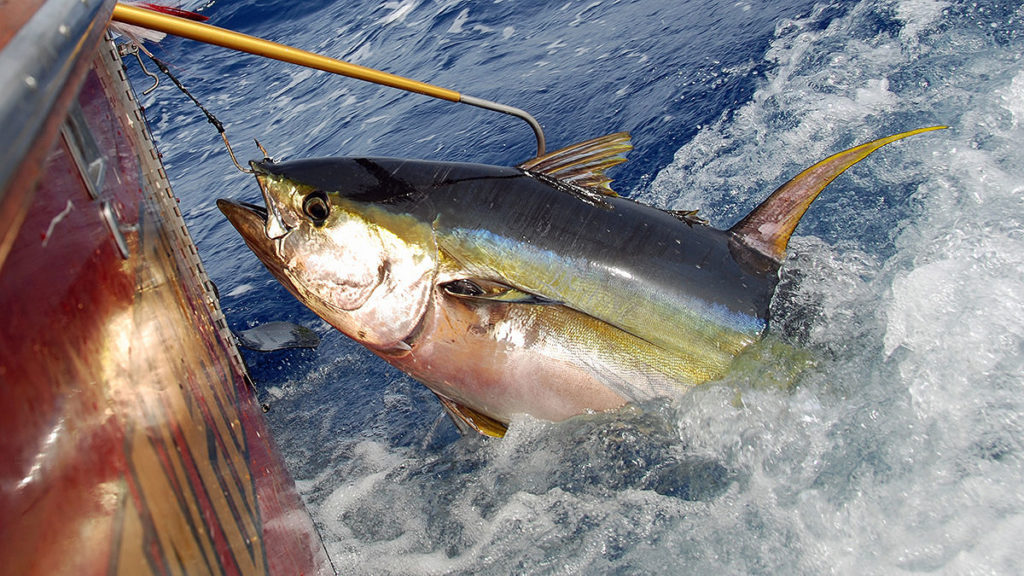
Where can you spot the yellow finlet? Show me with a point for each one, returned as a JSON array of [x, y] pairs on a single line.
[[768, 227], [583, 164]]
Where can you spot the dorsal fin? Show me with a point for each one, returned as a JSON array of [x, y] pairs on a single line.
[[768, 227], [584, 164]]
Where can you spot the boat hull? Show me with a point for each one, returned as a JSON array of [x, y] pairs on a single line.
[[132, 441]]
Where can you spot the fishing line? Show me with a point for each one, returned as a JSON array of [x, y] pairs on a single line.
[[209, 115]]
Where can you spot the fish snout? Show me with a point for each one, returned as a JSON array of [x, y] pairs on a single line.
[[242, 214], [250, 221]]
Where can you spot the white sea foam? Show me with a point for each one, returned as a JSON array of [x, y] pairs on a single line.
[[914, 467]]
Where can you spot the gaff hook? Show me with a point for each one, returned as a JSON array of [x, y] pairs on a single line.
[[139, 16]]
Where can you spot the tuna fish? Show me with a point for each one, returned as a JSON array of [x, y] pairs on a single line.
[[528, 290]]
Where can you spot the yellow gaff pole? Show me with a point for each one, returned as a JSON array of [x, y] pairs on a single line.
[[250, 44]]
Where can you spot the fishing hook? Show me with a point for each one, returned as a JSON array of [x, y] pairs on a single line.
[[231, 153]]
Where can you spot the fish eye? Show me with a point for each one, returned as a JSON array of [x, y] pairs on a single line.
[[317, 207]]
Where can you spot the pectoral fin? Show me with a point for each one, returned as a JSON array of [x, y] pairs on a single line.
[[468, 419], [768, 227], [478, 289]]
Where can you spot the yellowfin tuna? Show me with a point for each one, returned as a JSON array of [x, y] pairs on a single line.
[[528, 290]]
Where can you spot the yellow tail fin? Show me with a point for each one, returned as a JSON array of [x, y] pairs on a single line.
[[768, 227]]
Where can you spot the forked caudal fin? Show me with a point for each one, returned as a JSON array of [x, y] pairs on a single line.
[[768, 227]]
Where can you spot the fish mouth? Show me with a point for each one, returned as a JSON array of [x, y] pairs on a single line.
[[242, 214], [250, 220]]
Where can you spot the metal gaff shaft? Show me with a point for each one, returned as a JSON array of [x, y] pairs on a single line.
[[252, 45]]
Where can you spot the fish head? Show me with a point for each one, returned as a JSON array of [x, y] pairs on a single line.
[[367, 270]]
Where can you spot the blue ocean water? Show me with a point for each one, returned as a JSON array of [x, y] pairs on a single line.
[[893, 445]]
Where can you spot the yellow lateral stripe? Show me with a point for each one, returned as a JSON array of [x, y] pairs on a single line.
[[252, 45]]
